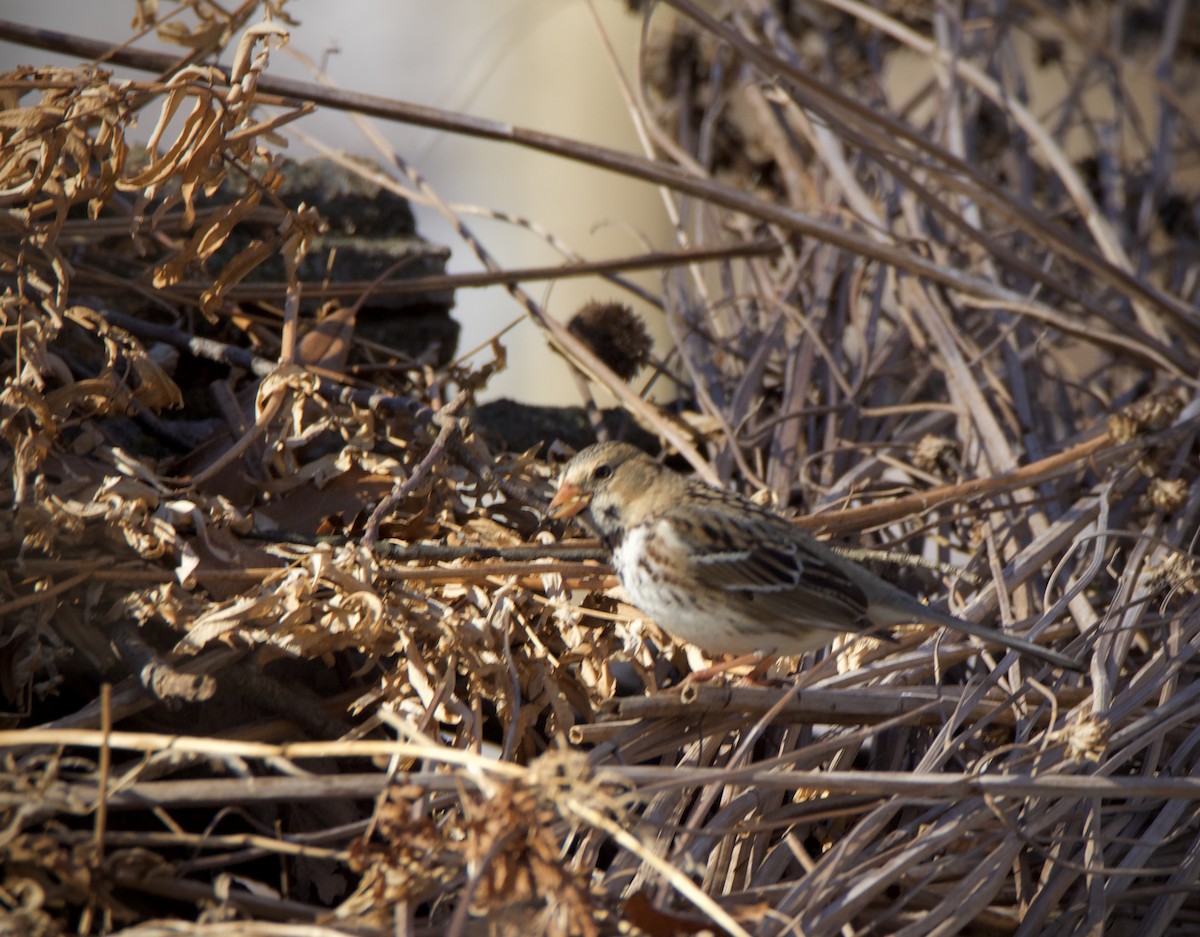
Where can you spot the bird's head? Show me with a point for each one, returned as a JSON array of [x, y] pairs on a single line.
[[614, 482]]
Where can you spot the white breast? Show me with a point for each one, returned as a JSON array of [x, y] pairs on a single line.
[[650, 562]]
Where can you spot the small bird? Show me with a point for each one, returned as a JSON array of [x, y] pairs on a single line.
[[717, 570]]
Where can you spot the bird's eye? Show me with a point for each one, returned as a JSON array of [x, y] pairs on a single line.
[[602, 472]]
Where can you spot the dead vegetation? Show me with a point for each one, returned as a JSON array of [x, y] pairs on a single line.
[[934, 316]]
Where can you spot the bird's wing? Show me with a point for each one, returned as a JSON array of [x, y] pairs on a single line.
[[777, 574], [773, 569]]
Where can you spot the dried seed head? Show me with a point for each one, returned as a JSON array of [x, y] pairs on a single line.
[[1148, 414], [936, 454], [1167, 495], [615, 334]]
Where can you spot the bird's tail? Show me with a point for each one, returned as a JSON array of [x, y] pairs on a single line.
[[913, 611]]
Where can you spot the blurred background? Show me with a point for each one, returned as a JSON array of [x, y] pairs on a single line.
[[541, 64]]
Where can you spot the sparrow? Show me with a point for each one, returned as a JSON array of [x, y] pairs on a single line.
[[715, 569]]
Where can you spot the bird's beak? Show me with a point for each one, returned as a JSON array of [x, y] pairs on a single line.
[[568, 501]]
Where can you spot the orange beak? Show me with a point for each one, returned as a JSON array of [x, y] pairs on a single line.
[[568, 501]]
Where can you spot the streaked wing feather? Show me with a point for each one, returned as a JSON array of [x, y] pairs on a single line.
[[769, 568]]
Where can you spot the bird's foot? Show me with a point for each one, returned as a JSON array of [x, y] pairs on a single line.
[[754, 677]]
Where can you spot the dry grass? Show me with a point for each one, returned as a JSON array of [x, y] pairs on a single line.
[[941, 321]]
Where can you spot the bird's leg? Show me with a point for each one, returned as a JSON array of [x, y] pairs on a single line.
[[760, 669], [761, 665]]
